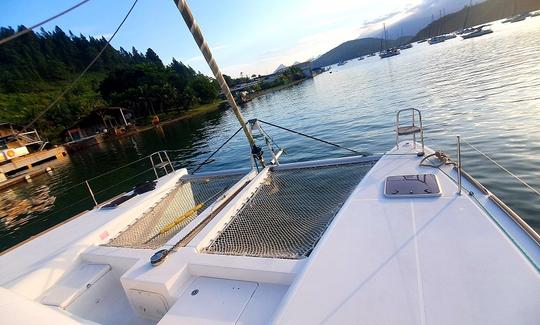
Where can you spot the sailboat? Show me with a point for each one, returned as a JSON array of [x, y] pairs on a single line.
[[516, 17], [477, 32], [387, 52], [406, 237], [404, 46], [438, 38]]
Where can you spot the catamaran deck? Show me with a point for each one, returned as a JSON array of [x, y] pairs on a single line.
[[301, 243], [437, 260]]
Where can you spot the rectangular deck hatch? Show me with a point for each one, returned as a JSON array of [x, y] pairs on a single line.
[[420, 185], [290, 210]]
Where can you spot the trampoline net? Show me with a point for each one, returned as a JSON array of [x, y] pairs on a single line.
[[289, 212], [189, 191]]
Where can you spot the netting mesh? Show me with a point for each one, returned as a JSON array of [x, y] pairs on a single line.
[[143, 233], [289, 212]]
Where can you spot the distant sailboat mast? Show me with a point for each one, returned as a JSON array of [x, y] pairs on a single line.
[[467, 15], [431, 26], [385, 37]]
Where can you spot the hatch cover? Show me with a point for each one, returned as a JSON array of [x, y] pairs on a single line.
[[420, 185]]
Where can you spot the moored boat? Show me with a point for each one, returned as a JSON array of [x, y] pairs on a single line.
[[477, 33], [389, 53]]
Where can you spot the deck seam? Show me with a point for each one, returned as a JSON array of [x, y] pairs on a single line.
[[418, 270]]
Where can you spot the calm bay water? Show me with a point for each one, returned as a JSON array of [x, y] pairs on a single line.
[[487, 90]]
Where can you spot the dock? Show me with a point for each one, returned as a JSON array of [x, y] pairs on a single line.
[[30, 164]]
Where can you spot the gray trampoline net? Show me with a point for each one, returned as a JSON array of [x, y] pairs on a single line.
[[174, 208], [289, 212]]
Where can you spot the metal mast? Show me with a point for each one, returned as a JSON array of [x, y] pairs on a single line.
[[205, 50]]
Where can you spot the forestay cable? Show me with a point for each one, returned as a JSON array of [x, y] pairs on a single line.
[[502, 167], [315, 138], [29, 29]]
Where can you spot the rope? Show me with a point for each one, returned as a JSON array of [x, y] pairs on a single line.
[[216, 151], [503, 168], [316, 139], [29, 29], [70, 87], [196, 32]]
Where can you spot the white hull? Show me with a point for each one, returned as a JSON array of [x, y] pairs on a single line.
[[451, 259]]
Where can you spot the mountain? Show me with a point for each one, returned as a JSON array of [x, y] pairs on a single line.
[[478, 14], [353, 49], [416, 17], [281, 67]]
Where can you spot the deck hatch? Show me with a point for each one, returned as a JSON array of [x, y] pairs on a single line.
[[188, 192], [289, 212], [412, 186]]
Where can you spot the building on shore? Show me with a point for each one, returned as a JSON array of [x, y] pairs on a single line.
[[102, 120], [95, 127], [243, 90]]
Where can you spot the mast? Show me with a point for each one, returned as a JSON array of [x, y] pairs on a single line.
[[384, 32], [467, 15], [431, 26], [205, 50]]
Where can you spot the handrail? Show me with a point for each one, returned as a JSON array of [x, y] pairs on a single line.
[[164, 164]]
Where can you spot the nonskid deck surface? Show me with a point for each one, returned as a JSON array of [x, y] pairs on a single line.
[[417, 260], [175, 206], [289, 211]]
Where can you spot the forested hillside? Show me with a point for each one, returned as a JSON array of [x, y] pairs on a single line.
[[36, 67]]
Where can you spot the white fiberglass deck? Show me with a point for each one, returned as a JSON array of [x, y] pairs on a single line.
[[429, 260], [439, 260]]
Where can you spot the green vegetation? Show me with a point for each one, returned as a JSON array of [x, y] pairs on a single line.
[[37, 67], [286, 77]]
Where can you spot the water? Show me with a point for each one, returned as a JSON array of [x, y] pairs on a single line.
[[487, 90]]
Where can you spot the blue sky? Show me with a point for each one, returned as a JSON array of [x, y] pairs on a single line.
[[249, 36]]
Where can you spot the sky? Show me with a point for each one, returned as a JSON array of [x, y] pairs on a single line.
[[246, 36]]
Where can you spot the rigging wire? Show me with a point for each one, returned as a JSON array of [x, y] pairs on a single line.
[[29, 29], [317, 139], [216, 151], [70, 87], [502, 167]]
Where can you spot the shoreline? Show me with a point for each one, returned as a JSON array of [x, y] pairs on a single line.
[[197, 111]]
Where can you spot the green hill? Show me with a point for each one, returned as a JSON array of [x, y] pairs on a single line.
[[37, 67], [355, 48], [478, 14]]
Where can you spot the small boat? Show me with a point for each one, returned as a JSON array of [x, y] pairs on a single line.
[[405, 46], [516, 18], [371, 54], [342, 63], [436, 40], [422, 41], [389, 52], [361, 58], [477, 33]]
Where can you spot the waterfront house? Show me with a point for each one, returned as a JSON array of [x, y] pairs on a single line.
[[107, 120]]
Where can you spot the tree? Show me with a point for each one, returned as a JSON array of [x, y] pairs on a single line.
[[153, 58], [204, 89]]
